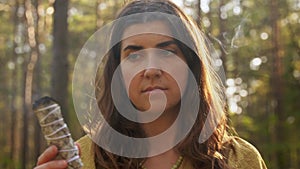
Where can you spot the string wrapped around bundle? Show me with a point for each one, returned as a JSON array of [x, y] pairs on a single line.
[[56, 131]]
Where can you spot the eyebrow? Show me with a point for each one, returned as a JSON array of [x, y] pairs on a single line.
[[167, 43], [133, 47], [160, 45]]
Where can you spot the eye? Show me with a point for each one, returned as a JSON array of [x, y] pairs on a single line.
[[165, 53], [133, 56]]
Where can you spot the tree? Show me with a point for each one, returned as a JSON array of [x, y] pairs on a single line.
[[60, 65], [277, 81], [38, 88], [29, 74], [13, 97]]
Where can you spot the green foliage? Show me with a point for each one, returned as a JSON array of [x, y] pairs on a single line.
[[258, 121], [243, 34]]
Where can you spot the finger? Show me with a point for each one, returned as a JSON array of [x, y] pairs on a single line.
[[79, 149], [57, 164], [48, 155]]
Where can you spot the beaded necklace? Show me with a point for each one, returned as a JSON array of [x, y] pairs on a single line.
[[175, 166]]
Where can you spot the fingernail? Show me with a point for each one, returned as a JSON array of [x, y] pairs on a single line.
[[62, 163], [53, 148]]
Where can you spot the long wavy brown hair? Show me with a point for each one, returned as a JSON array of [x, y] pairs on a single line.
[[211, 153]]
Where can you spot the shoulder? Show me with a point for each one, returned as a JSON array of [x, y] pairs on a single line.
[[85, 142], [86, 153], [243, 155]]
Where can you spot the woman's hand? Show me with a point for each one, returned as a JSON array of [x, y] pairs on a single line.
[[46, 159]]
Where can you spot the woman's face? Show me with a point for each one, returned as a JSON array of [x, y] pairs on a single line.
[[149, 63]]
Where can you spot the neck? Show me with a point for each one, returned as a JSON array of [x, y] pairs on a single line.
[[156, 127], [160, 124]]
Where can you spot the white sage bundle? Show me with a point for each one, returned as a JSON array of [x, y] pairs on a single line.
[[56, 132]]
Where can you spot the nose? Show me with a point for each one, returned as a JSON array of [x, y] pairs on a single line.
[[152, 73], [153, 69]]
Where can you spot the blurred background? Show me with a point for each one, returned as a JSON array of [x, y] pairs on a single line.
[[256, 42]]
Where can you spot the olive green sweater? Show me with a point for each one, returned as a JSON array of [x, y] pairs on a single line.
[[243, 155]]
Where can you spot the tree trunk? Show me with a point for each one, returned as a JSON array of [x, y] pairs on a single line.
[[28, 80], [37, 92], [277, 82], [13, 108], [59, 73]]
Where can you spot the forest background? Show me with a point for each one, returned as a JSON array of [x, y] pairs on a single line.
[[256, 42]]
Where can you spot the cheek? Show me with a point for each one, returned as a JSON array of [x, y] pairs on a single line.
[[128, 80], [140, 101], [180, 79], [178, 87], [132, 88]]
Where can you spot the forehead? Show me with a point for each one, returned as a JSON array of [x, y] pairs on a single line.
[[154, 28]]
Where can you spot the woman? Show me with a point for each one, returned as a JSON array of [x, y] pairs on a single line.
[[144, 49]]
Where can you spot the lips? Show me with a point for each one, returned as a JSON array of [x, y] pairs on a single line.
[[152, 88]]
